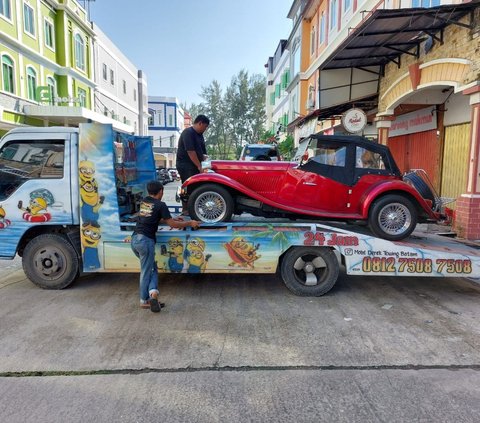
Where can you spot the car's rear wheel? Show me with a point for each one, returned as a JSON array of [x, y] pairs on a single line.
[[210, 203], [392, 217]]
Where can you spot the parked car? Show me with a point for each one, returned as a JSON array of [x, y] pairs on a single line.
[[174, 173], [340, 178], [163, 176], [265, 152]]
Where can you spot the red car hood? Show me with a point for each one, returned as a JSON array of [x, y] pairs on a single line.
[[220, 166]]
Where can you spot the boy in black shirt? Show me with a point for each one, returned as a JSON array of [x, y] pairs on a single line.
[[152, 212]]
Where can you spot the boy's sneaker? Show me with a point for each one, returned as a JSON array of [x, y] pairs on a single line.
[[154, 305], [145, 304]]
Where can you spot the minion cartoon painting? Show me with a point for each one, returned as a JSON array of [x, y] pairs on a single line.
[[195, 255], [4, 222], [90, 200], [91, 235], [242, 252], [37, 209], [175, 252]]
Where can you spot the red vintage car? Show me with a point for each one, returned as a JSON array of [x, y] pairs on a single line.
[[337, 178]]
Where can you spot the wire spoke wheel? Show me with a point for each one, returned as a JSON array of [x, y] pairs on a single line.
[[210, 203], [210, 207], [394, 218]]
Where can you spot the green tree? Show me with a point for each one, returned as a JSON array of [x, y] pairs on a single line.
[[236, 116], [287, 148]]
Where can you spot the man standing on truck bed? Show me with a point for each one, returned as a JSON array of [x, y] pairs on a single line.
[[191, 151], [152, 212]]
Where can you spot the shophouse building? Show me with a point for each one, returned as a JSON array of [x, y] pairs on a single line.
[[166, 123], [413, 71], [48, 70], [278, 78]]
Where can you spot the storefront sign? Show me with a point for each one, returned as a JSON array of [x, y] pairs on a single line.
[[410, 123], [44, 95], [354, 120]]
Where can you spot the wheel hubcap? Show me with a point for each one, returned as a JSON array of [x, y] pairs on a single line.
[[49, 263], [309, 269], [394, 218], [210, 207]]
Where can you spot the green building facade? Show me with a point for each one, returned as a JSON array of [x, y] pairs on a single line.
[[45, 46]]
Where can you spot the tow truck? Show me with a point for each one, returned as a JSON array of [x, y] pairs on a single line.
[[68, 195]]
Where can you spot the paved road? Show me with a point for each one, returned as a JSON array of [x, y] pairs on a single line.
[[231, 348], [240, 348]]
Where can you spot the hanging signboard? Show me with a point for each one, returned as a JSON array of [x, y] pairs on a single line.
[[410, 123], [354, 120]]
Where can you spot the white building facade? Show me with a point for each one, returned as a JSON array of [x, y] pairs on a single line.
[[121, 88], [166, 123]]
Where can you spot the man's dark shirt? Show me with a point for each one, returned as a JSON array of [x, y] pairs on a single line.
[[149, 216], [190, 140]]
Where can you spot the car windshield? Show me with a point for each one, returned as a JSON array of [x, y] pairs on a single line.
[[302, 148]]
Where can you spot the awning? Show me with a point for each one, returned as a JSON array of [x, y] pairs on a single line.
[[73, 116], [336, 111], [388, 33]]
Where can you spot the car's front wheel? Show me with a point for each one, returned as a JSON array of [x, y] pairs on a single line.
[[392, 217], [210, 203]]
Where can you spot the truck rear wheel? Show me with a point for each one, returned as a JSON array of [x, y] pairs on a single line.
[[309, 271], [50, 261]]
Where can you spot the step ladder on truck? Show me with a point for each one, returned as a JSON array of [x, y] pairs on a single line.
[[67, 197]]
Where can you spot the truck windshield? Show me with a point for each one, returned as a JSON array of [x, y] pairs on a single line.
[[21, 161]]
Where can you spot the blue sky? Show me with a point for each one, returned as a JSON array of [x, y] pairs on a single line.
[[183, 45]]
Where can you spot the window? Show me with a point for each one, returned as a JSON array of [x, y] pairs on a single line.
[[51, 89], [5, 9], [28, 19], [312, 41], [49, 35], [296, 61], [31, 83], [8, 75], [272, 99], [124, 83], [134, 94], [24, 160], [151, 114], [104, 72], [322, 29], [347, 4], [277, 90], [366, 159], [105, 111], [125, 119], [82, 97], [333, 14], [425, 3], [170, 120], [332, 156], [112, 77], [79, 52]]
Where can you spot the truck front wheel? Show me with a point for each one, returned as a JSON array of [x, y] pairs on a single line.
[[309, 271], [50, 261]]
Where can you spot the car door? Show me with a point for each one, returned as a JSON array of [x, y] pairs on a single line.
[[325, 178]]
